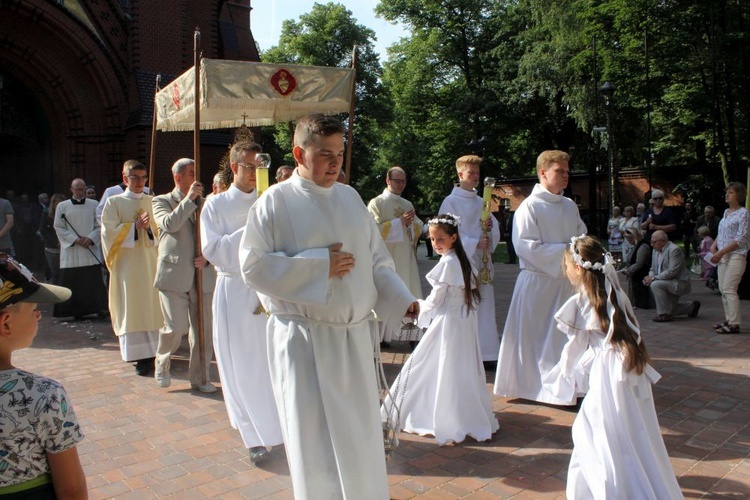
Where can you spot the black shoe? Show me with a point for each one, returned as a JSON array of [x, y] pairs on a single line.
[[258, 454], [694, 308], [143, 367], [490, 366]]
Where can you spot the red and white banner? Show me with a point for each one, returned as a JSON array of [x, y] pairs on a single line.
[[253, 93]]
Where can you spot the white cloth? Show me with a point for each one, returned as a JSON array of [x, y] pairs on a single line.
[[70, 218], [618, 451], [442, 388], [240, 343], [531, 345], [400, 241], [468, 206], [322, 332]]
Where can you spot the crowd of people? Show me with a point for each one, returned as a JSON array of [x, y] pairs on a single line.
[[295, 290]]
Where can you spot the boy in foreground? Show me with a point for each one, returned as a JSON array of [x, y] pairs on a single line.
[[38, 427]]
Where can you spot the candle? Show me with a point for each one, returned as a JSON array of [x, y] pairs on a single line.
[[261, 179], [489, 185]]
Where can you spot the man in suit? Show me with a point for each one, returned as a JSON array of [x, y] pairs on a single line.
[[174, 214], [669, 279]]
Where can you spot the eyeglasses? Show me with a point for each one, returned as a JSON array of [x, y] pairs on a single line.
[[249, 166], [658, 198], [657, 241], [138, 178], [398, 181]]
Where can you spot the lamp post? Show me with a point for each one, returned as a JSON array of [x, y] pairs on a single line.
[[608, 92]]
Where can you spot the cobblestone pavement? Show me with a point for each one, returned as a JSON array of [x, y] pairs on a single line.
[[146, 442]]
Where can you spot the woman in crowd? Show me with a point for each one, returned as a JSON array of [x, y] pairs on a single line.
[[614, 236], [658, 217], [628, 220], [637, 268], [730, 253], [49, 237]]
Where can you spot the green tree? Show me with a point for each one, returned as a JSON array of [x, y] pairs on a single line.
[[326, 36]]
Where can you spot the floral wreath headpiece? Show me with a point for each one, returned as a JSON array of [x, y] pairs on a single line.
[[594, 266], [442, 220]]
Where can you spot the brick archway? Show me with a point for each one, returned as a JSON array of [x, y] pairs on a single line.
[[79, 85]]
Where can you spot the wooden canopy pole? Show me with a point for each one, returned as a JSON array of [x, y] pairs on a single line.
[[350, 132], [197, 160], [152, 155]]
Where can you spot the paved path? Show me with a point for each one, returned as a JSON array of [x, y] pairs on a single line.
[[146, 442]]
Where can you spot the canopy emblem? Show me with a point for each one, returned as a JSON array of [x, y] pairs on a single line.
[[283, 82]]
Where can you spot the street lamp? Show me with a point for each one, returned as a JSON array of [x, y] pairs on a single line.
[[608, 92]]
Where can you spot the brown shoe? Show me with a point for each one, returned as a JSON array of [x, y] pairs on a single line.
[[662, 318], [694, 310]]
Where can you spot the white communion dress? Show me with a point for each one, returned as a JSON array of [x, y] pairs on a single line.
[[442, 388], [618, 451]]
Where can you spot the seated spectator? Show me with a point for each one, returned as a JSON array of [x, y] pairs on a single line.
[[669, 279], [629, 220], [638, 265]]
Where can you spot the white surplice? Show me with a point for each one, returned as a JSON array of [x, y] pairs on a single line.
[[400, 241], [618, 451], [531, 345], [239, 335], [322, 332], [468, 206], [442, 388]]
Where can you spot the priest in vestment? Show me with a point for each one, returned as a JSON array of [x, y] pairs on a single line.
[[79, 233], [400, 228], [315, 255], [129, 245], [239, 327], [465, 202], [542, 227]]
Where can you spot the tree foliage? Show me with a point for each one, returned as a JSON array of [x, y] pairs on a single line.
[[525, 76]]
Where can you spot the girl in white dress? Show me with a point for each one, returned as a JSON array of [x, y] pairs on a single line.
[[618, 450], [442, 388]]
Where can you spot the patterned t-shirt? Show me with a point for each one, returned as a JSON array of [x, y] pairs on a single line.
[[35, 417]]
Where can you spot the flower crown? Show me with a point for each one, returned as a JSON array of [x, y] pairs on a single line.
[[453, 222], [594, 266]]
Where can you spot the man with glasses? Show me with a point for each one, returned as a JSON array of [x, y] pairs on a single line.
[[80, 257], [239, 327], [669, 279], [400, 228], [116, 189], [129, 245]]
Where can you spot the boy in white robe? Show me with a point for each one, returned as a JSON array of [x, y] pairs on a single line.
[[464, 202], [316, 257], [239, 326], [542, 228]]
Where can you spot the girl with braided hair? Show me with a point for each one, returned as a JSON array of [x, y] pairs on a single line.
[[618, 451]]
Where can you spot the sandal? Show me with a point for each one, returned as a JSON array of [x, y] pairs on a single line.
[[662, 318], [726, 329], [719, 326]]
